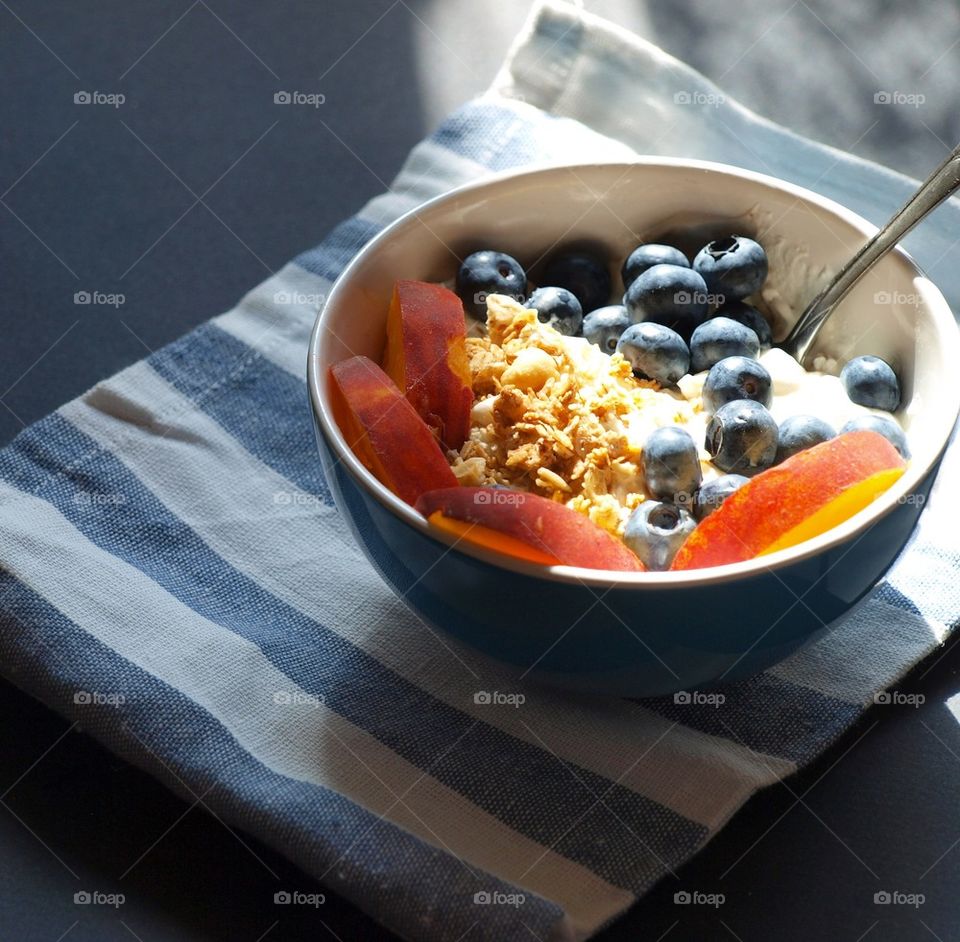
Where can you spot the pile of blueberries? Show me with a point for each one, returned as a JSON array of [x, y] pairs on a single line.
[[676, 317]]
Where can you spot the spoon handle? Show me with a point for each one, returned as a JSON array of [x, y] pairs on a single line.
[[937, 187]]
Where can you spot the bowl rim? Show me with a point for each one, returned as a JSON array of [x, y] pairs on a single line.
[[854, 527]]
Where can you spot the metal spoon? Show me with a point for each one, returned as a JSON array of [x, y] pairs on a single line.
[[934, 190]]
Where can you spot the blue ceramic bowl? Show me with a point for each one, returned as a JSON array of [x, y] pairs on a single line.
[[644, 634]]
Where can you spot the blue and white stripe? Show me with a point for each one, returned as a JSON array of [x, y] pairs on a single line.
[[169, 536]]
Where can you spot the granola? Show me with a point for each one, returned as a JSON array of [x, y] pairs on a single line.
[[556, 416]]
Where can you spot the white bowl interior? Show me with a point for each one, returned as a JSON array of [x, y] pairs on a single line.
[[894, 312]]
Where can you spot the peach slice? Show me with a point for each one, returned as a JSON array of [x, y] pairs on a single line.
[[552, 529], [841, 508], [385, 432], [491, 539], [803, 497], [426, 356]]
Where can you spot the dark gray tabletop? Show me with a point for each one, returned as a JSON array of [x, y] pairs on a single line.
[[194, 190]]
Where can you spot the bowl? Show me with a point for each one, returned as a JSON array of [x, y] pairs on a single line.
[[644, 634]]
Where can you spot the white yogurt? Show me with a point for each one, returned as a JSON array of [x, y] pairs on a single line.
[[796, 391]]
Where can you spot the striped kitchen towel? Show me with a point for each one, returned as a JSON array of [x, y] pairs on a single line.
[[174, 576]]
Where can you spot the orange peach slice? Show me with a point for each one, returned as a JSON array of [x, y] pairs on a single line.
[[385, 432], [841, 508], [490, 539], [550, 528], [426, 356], [803, 497]]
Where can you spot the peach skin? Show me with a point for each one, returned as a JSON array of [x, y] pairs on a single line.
[[550, 528], [426, 357], [803, 497], [385, 432]]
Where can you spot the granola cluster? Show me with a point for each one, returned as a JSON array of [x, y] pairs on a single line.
[[557, 417]]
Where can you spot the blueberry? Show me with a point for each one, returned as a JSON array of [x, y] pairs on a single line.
[[670, 295], [869, 381], [749, 316], [733, 268], [584, 275], [487, 272], [742, 437], [557, 307], [799, 432], [883, 424], [715, 492], [670, 465], [648, 255], [605, 325], [655, 352], [656, 531], [736, 378], [719, 338]]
